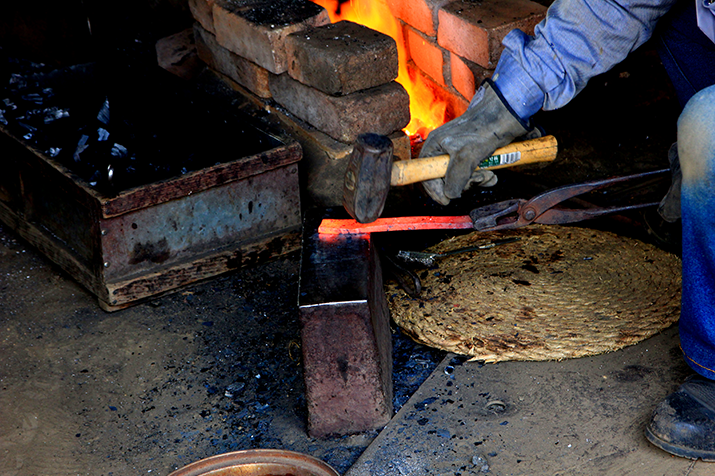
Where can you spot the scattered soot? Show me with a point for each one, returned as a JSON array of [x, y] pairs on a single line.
[[251, 369]]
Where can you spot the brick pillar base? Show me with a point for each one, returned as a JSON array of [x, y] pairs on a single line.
[[347, 349]]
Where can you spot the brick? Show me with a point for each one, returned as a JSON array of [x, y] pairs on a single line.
[[382, 110], [325, 160], [401, 147], [202, 11], [247, 74], [342, 58], [322, 168], [346, 342], [420, 14], [455, 104], [426, 54], [257, 29], [177, 54], [475, 30], [466, 76]]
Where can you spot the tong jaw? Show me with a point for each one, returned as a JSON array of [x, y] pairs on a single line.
[[498, 216]]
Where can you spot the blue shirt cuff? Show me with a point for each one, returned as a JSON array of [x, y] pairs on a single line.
[[518, 89]]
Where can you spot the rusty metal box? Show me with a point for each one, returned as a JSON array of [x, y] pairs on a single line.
[[156, 237]]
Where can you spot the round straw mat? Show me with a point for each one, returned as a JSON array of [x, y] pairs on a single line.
[[556, 293]]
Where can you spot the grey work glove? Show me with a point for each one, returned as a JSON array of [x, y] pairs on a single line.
[[487, 125]]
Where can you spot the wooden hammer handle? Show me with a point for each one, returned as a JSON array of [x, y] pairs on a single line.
[[543, 149]]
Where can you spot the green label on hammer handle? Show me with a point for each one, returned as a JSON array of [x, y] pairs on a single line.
[[501, 159]]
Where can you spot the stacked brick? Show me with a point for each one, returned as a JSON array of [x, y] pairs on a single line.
[[336, 81], [341, 80], [245, 39], [456, 44]]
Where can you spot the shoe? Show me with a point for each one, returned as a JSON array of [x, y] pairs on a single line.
[[684, 423]]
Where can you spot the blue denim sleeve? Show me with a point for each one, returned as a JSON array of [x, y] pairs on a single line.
[[577, 40]]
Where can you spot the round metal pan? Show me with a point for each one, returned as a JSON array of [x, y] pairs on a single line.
[[262, 462]]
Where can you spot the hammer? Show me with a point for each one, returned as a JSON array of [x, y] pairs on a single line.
[[371, 171]]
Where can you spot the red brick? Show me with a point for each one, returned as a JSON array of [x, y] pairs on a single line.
[[420, 14], [257, 29], [202, 11], [475, 30], [325, 160], [466, 76], [382, 110], [335, 58], [247, 74], [177, 54], [455, 104], [346, 341], [426, 54]]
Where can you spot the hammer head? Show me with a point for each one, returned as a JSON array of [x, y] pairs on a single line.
[[367, 179]]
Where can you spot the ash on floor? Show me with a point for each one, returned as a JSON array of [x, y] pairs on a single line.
[[211, 369]]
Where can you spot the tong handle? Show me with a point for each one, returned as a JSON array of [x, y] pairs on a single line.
[[547, 200], [540, 209], [559, 216]]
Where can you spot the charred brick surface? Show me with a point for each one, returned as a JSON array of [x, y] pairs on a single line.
[[272, 12], [342, 58], [257, 30], [382, 110], [244, 72]]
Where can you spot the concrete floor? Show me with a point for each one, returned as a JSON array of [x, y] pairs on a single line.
[[216, 367], [211, 369], [577, 417]]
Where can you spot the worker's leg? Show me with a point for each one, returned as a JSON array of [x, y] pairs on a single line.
[[684, 423], [686, 52], [696, 149], [688, 56]]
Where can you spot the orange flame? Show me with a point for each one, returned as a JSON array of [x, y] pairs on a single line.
[[426, 112]]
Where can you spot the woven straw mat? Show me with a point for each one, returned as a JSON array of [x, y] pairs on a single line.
[[556, 293]]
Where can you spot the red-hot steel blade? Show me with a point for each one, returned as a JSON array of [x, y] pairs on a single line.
[[351, 227]]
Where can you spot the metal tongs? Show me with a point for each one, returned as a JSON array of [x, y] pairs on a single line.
[[544, 208], [509, 214]]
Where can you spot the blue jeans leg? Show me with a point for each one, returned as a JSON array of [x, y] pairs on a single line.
[[696, 148], [687, 54]]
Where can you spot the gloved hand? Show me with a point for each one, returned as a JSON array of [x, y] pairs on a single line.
[[487, 124]]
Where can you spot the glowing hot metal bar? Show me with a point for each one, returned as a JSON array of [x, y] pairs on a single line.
[[352, 227]]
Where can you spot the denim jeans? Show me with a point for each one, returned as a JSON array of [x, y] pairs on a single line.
[[696, 149], [686, 53], [689, 59]]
